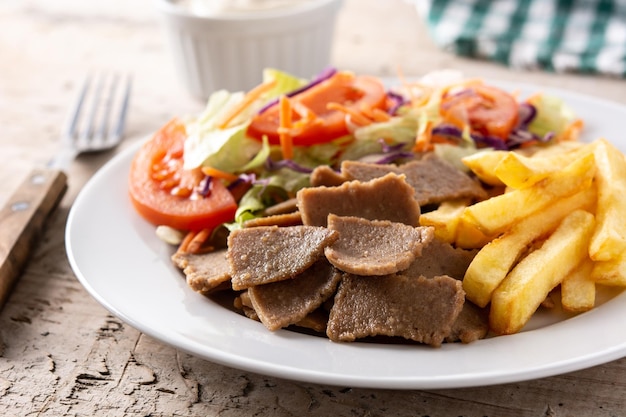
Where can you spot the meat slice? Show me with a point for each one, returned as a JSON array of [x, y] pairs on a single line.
[[374, 247], [206, 272], [264, 254], [323, 175], [283, 220], [472, 324], [440, 258], [420, 309], [284, 207], [433, 179], [315, 321], [280, 304], [386, 198]]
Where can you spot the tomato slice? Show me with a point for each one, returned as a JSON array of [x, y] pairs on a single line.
[[165, 194], [353, 92], [486, 110]]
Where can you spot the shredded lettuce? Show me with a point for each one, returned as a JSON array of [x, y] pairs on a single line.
[[229, 149], [285, 82], [249, 206], [254, 201], [453, 154], [208, 144], [553, 115], [366, 142]]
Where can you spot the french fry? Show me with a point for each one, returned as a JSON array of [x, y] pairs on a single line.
[[484, 164], [559, 148], [494, 261], [469, 236], [518, 171], [578, 290], [445, 219], [451, 227], [609, 239], [611, 272], [529, 283], [499, 213]]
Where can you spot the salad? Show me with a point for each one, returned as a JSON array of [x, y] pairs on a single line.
[[251, 150]]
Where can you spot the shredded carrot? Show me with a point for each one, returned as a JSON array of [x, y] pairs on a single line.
[[195, 245], [374, 114], [285, 124], [464, 83], [423, 142], [355, 116], [571, 132], [407, 86], [216, 173], [380, 115], [303, 111], [529, 143], [535, 97], [400, 74], [182, 248], [439, 139], [248, 99]]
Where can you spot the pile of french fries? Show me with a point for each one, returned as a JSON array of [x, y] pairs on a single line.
[[559, 218]]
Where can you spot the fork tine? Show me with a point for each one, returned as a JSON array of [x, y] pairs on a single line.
[[89, 129], [72, 125], [102, 95], [121, 121], [104, 123]]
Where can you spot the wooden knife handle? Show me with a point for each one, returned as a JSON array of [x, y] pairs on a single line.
[[22, 220]]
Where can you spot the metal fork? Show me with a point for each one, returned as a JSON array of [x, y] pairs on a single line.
[[23, 217], [99, 98]]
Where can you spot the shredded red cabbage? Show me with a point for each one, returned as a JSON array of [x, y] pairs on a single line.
[[527, 113], [247, 179], [392, 157], [286, 163], [206, 186], [521, 134], [322, 76], [455, 133], [390, 148], [392, 153], [490, 141], [398, 101]]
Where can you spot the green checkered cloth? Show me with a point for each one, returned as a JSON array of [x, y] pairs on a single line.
[[582, 36]]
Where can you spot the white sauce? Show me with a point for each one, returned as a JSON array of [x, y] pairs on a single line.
[[238, 7]]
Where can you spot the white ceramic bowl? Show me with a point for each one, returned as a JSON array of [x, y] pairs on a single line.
[[231, 51]]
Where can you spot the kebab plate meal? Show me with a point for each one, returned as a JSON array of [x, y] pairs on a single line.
[[433, 211]]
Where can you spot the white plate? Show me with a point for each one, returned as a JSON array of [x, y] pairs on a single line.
[[119, 260]]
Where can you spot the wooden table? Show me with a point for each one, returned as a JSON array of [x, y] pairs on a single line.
[[61, 353]]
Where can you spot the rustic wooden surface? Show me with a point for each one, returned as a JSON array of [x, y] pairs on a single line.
[[61, 353]]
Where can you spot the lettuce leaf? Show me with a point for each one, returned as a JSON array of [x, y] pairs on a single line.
[[229, 149], [367, 139], [553, 115]]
